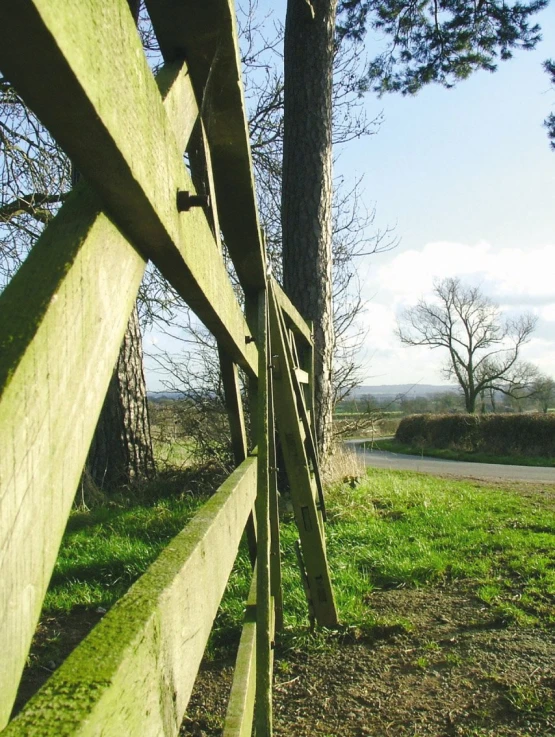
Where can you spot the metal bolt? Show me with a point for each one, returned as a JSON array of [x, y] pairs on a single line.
[[185, 200]]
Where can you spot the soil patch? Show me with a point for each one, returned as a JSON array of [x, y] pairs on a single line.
[[458, 671]]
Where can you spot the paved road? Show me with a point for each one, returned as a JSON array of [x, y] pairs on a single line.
[[463, 469]]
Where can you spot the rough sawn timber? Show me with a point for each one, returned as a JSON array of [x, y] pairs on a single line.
[[134, 673], [240, 707], [307, 516], [126, 147], [206, 35], [58, 345]]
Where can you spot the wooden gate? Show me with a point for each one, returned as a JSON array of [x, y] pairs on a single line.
[[80, 66]]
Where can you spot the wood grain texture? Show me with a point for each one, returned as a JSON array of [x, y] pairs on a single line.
[[205, 34], [59, 341], [240, 708], [292, 316], [303, 489], [134, 673], [263, 706], [95, 81], [62, 321]]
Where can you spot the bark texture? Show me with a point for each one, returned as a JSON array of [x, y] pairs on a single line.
[[121, 450], [307, 186]]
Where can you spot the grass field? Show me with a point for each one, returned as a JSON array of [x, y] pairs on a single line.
[[392, 530], [393, 535]]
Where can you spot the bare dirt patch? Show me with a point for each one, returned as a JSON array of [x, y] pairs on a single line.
[[459, 671]]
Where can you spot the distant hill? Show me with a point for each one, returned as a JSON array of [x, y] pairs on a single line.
[[158, 396], [383, 391], [386, 391]]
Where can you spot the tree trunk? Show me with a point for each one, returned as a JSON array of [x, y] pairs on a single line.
[[121, 450], [307, 185]]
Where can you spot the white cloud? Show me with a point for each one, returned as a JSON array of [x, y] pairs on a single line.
[[518, 279]]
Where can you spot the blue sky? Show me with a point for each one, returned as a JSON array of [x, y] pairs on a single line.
[[467, 177]]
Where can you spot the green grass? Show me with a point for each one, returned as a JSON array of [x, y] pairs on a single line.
[[408, 530], [173, 453], [108, 547], [456, 455], [393, 530]]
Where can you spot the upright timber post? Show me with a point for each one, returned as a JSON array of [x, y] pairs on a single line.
[[303, 493], [264, 635]]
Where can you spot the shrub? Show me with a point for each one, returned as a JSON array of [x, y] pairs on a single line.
[[510, 434]]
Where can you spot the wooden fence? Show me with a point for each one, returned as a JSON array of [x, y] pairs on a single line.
[[80, 65]]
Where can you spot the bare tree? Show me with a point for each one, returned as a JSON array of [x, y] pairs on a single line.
[[34, 180], [483, 349]]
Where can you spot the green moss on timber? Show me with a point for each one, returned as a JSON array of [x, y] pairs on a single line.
[[127, 638], [45, 269]]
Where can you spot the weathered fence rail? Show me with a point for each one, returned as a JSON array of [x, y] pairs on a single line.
[[63, 317]]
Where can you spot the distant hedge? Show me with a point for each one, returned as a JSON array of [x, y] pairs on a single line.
[[507, 434]]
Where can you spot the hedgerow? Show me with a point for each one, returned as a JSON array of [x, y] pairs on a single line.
[[514, 434]]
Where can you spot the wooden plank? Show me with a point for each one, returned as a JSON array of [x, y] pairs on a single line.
[[134, 673], [200, 161], [240, 708], [63, 317], [234, 405], [63, 320], [307, 517], [293, 317], [205, 34], [275, 552], [263, 707], [95, 81], [302, 376], [306, 429]]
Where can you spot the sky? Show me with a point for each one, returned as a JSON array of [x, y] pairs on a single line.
[[466, 177]]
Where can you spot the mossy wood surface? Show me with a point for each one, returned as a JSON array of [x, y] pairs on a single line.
[[240, 709], [58, 346], [63, 318], [303, 492], [59, 342], [207, 37], [263, 707], [134, 673], [275, 550], [291, 314], [95, 80], [234, 406]]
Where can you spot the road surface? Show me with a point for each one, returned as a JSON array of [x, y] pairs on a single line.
[[462, 469]]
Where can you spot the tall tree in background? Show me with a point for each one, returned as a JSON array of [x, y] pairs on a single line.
[[307, 185], [483, 349], [121, 449], [439, 41]]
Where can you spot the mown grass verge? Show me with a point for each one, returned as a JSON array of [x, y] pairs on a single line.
[[458, 455], [394, 529]]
